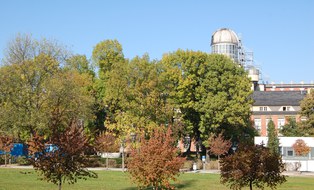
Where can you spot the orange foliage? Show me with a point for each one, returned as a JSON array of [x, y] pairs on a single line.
[[300, 148], [219, 146], [156, 162]]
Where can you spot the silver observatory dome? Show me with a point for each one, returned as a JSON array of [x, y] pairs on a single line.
[[225, 41]]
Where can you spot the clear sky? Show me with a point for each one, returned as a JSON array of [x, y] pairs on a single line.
[[279, 32]]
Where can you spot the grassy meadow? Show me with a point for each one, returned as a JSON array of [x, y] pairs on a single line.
[[27, 179]]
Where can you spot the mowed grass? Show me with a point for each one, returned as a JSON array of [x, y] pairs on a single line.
[[27, 179]]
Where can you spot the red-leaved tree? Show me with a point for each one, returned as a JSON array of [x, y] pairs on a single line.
[[252, 165], [65, 161], [219, 146], [156, 162], [6, 143], [106, 142]]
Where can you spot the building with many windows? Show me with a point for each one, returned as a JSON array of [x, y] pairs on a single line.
[[277, 106], [292, 161], [275, 102]]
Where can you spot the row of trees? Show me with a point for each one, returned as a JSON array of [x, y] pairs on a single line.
[[47, 87], [49, 95]]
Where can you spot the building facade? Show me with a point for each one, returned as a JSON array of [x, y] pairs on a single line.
[[291, 160], [277, 106]]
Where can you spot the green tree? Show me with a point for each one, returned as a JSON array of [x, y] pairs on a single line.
[[273, 140], [112, 78], [146, 105], [39, 91], [291, 128], [24, 95], [252, 165], [307, 111], [212, 92]]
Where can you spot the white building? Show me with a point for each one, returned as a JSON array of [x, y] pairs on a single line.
[[288, 155]]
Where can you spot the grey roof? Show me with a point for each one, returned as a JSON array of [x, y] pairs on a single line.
[[284, 113], [277, 98]]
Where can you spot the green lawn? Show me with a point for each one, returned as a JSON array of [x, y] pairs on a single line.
[[110, 180]]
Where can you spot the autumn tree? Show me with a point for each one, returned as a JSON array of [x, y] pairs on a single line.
[[273, 140], [39, 90], [300, 148], [106, 142], [6, 144], [156, 162], [219, 146], [252, 165], [66, 161], [147, 105]]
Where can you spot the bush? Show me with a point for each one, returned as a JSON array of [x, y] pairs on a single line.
[[22, 160], [1, 159]]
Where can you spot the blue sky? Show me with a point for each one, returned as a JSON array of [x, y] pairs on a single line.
[[280, 33]]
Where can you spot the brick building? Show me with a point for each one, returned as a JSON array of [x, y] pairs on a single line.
[[277, 106]]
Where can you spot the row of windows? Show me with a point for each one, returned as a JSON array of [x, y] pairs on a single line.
[[289, 152], [231, 50], [258, 123], [284, 108]]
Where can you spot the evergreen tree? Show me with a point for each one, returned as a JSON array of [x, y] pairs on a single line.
[[273, 141]]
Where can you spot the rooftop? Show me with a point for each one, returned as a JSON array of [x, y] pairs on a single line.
[[277, 98]]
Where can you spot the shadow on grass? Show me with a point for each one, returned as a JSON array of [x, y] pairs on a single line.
[[181, 185]]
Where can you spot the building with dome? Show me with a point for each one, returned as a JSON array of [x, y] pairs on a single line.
[[225, 41], [276, 102]]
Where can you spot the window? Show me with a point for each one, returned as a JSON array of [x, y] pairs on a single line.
[[289, 152], [280, 123], [258, 124], [263, 108], [286, 108]]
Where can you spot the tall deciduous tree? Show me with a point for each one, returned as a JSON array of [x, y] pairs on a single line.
[[66, 161], [273, 140], [212, 92], [39, 90], [252, 165], [24, 48], [156, 162], [112, 82]]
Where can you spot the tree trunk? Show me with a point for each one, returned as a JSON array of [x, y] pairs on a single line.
[[5, 159], [107, 160], [123, 157], [251, 185], [218, 162], [60, 185]]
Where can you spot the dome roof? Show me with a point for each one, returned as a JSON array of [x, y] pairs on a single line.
[[224, 35]]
